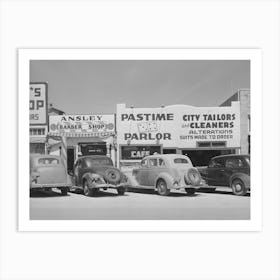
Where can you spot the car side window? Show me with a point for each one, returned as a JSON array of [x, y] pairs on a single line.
[[234, 163], [153, 162], [144, 163], [215, 163], [161, 162]]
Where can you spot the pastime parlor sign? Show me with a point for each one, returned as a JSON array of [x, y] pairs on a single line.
[[179, 126]]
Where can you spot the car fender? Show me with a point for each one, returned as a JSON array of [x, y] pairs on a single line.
[[166, 177], [242, 176]]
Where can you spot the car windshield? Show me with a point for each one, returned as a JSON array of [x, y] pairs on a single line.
[[48, 161], [98, 161], [180, 161]]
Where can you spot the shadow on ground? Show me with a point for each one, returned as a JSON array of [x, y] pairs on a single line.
[[46, 194], [153, 192], [229, 192]]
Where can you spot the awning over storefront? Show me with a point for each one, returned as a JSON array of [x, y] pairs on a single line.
[[81, 135]]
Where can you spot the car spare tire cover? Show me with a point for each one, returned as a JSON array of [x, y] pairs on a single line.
[[192, 177], [112, 175]]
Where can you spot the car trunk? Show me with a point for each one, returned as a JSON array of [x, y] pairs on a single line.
[[51, 174], [181, 170]]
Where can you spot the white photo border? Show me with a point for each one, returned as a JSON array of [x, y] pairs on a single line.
[[255, 57]]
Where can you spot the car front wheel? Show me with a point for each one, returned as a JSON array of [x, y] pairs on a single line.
[[238, 187], [121, 190], [87, 190], [162, 188], [190, 191], [64, 191]]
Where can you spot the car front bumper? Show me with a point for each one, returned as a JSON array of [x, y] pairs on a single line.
[[94, 185], [180, 186]]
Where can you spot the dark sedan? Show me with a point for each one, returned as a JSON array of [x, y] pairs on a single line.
[[92, 173], [229, 170]]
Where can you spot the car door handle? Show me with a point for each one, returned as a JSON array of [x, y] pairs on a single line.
[[222, 169]]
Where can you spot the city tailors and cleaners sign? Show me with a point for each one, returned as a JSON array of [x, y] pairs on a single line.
[[90, 125], [179, 126]]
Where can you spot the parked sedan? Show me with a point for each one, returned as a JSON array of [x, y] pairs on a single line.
[[229, 170], [92, 173], [166, 172], [48, 172]]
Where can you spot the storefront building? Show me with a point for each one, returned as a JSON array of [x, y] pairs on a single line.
[[243, 96], [199, 132], [38, 117], [81, 135]]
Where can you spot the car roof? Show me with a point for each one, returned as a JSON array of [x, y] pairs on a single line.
[[230, 156], [166, 156]]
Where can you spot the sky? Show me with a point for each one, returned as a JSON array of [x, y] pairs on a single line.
[[95, 87]]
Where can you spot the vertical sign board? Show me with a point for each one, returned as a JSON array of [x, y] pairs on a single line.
[[38, 104]]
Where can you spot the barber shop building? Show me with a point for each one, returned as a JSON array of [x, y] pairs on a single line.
[[81, 135]]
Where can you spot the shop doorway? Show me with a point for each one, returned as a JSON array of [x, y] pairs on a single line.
[[70, 159], [202, 157]]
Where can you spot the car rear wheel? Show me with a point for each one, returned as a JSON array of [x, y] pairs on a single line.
[[190, 191], [87, 190], [64, 191], [238, 187], [121, 190], [162, 188]]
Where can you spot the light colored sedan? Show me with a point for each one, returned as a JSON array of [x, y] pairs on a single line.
[[47, 172], [166, 172]]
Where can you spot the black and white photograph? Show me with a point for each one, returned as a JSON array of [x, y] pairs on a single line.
[[140, 140], [137, 136]]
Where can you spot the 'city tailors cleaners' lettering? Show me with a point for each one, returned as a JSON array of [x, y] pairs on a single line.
[[148, 126], [209, 126]]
